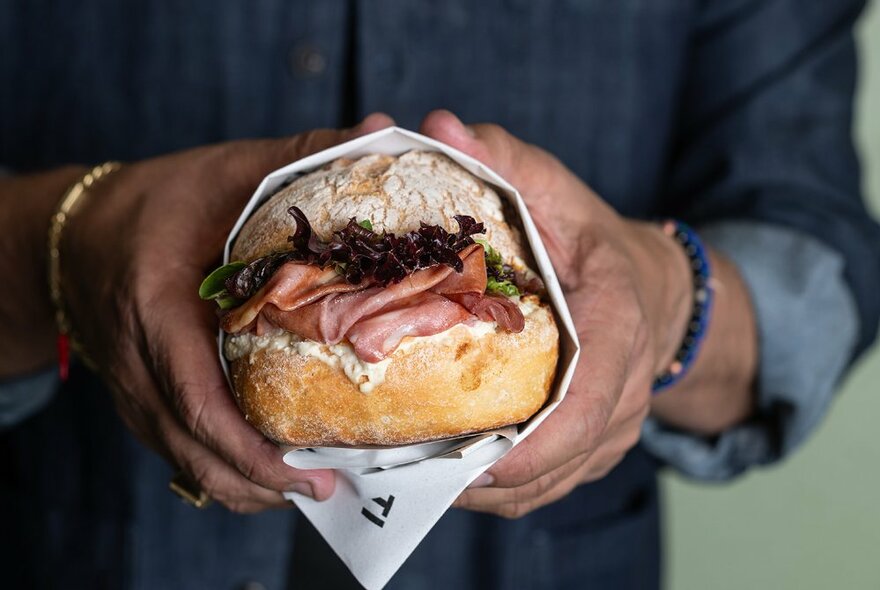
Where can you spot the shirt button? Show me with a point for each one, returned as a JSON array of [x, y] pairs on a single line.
[[307, 61]]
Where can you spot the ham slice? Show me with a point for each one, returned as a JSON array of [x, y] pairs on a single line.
[[339, 304], [425, 314], [330, 318], [319, 305], [493, 308], [472, 279], [293, 285]]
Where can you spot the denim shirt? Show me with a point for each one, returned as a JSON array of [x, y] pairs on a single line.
[[730, 114]]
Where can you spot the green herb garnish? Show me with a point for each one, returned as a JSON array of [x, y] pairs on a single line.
[[502, 287], [214, 285], [500, 276], [366, 224]]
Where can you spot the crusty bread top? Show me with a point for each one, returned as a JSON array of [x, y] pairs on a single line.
[[394, 193]]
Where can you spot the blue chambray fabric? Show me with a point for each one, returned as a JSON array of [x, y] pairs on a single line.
[[24, 396], [710, 111], [799, 295]]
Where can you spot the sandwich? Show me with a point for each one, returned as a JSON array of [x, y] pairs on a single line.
[[384, 300]]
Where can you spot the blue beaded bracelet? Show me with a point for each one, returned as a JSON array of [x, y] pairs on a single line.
[[698, 260]]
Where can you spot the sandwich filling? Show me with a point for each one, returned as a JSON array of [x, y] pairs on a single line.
[[370, 290]]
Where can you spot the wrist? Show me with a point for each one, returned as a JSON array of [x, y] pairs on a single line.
[[26, 312], [665, 282]]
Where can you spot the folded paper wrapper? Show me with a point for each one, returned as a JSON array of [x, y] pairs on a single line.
[[387, 499]]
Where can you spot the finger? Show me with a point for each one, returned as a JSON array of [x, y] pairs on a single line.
[[561, 205], [183, 352], [609, 366], [613, 449], [305, 144], [187, 367], [372, 123], [578, 423], [620, 435], [214, 476], [552, 487], [233, 172], [264, 156], [516, 502], [155, 425], [491, 499], [530, 169]]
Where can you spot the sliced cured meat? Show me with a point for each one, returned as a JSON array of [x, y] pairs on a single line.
[[293, 285], [326, 306], [424, 314], [493, 308], [472, 279], [319, 305]]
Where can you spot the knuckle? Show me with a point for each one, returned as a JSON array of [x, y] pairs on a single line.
[[537, 488], [251, 469], [581, 432], [631, 438], [595, 422], [297, 144], [602, 468], [310, 142], [509, 511], [255, 468], [514, 510], [565, 489], [207, 480], [191, 400], [527, 467], [191, 408]]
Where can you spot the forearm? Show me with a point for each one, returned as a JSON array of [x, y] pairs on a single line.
[[27, 329], [718, 390]]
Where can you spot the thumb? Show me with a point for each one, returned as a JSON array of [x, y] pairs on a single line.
[[311, 142], [530, 169], [267, 155]]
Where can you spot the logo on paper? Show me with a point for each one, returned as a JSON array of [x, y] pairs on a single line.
[[385, 504]]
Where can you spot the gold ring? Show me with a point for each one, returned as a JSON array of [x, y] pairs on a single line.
[[188, 490]]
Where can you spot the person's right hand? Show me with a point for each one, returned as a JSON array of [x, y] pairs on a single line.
[[133, 257]]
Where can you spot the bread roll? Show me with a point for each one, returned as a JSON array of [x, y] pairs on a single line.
[[464, 380]]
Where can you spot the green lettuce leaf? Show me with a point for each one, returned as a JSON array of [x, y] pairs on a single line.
[[213, 286]]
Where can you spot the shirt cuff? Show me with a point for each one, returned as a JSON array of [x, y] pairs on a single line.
[[807, 329], [23, 397]]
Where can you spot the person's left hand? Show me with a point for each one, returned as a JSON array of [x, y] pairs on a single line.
[[628, 287]]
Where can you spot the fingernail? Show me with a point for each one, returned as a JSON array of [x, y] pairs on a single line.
[[304, 488], [484, 480]]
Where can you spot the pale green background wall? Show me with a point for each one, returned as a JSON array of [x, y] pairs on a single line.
[[812, 522]]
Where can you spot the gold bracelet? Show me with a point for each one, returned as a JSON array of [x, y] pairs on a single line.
[[67, 340]]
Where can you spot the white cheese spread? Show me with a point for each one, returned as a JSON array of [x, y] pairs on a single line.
[[367, 376]]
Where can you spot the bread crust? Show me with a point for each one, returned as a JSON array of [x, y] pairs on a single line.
[[394, 193], [464, 384]]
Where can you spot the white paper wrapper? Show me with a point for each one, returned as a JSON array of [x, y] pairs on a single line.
[[387, 499]]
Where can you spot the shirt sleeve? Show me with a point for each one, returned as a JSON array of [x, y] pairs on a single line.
[[799, 296], [23, 397], [765, 133], [764, 164]]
